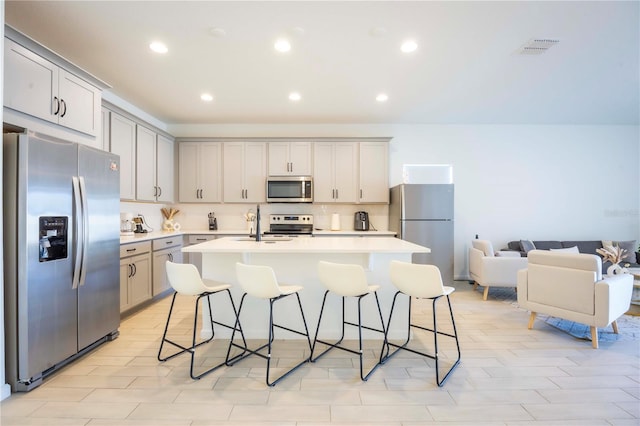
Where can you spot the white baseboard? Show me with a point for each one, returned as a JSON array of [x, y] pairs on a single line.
[[5, 391]]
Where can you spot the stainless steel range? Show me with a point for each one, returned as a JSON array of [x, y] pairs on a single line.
[[290, 224]]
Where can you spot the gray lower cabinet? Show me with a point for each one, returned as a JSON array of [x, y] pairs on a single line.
[[135, 274], [168, 248], [196, 258]]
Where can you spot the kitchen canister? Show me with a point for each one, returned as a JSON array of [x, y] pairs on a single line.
[[335, 222]]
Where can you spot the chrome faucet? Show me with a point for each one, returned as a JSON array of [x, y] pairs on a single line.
[[258, 236]]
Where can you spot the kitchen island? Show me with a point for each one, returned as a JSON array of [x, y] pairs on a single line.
[[294, 261]]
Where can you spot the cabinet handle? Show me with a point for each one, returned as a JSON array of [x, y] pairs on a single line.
[[159, 191], [201, 239], [64, 104], [337, 194], [361, 193], [169, 242], [131, 250], [170, 257], [55, 99], [130, 271], [135, 269]]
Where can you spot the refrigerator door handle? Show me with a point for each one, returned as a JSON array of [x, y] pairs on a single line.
[[85, 230], [77, 262]]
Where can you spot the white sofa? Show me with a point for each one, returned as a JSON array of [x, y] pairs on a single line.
[[572, 287], [490, 269]]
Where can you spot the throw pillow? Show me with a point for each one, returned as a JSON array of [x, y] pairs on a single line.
[[573, 249], [527, 245], [630, 247]]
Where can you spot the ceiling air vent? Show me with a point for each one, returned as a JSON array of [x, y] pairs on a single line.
[[537, 46]]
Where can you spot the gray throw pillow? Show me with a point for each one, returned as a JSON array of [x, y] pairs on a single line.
[[527, 245], [630, 247]]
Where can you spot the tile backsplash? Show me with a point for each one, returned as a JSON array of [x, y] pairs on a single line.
[[231, 216]]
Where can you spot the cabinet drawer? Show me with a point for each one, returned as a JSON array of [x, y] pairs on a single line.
[[166, 242], [135, 248], [197, 239]]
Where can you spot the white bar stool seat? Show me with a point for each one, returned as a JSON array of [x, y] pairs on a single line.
[[422, 282], [347, 280], [260, 282], [185, 280]]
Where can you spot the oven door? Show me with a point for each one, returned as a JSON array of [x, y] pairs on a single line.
[[289, 189]]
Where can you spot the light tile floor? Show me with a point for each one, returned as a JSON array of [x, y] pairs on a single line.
[[508, 376]]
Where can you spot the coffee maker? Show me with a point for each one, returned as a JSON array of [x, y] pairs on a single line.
[[213, 222]]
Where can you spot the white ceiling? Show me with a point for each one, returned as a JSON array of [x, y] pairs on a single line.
[[465, 71]]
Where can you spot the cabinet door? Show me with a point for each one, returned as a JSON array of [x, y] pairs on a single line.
[[374, 174], [323, 172], [103, 142], [140, 281], [233, 171], [188, 165], [123, 143], [278, 158], [209, 166], [300, 158], [346, 171], [79, 104], [146, 189], [255, 172], [164, 169], [125, 270], [34, 82]]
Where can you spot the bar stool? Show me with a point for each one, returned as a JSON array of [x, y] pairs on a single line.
[[347, 280], [424, 282], [185, 280], [260, 282]]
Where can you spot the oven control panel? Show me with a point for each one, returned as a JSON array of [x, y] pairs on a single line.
[[291, 219], [291, 224]]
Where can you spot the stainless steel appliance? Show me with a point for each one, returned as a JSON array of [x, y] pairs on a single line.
[[423, 214], [361, 221], [61, 253], [290, 224], [213, 222], [289, 189]]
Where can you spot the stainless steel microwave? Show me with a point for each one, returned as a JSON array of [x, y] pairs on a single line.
[[289, 189]]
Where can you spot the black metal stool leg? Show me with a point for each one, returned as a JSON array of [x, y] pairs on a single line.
[[271, 338], [435, 332]]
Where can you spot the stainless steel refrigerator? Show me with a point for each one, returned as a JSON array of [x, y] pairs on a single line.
[[61, 253], [423, 214]]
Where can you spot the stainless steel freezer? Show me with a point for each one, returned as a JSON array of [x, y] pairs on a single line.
[[61, 249], [423, 214]]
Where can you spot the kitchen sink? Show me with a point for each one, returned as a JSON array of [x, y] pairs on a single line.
[[265, 239]]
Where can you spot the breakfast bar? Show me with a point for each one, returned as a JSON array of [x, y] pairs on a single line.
[[295, 261]]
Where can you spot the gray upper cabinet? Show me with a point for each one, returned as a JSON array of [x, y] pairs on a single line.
[[289, 158], [42, 89]]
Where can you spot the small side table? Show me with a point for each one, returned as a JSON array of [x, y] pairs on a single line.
[[634, 309]]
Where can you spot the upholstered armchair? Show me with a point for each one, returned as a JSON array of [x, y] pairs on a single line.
[[572, 287], [490, 269]]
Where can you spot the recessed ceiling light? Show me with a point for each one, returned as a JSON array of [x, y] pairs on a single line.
[[409, 46], [378, 31], [158, 47], [382, 97], [282, 45], [294, 96], [217, 32], [206, 97]]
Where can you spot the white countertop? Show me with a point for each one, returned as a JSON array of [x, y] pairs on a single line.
[[136, 238], [308, 245]]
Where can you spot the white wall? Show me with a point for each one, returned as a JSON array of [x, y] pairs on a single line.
[[5, 389], [512, 182]]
